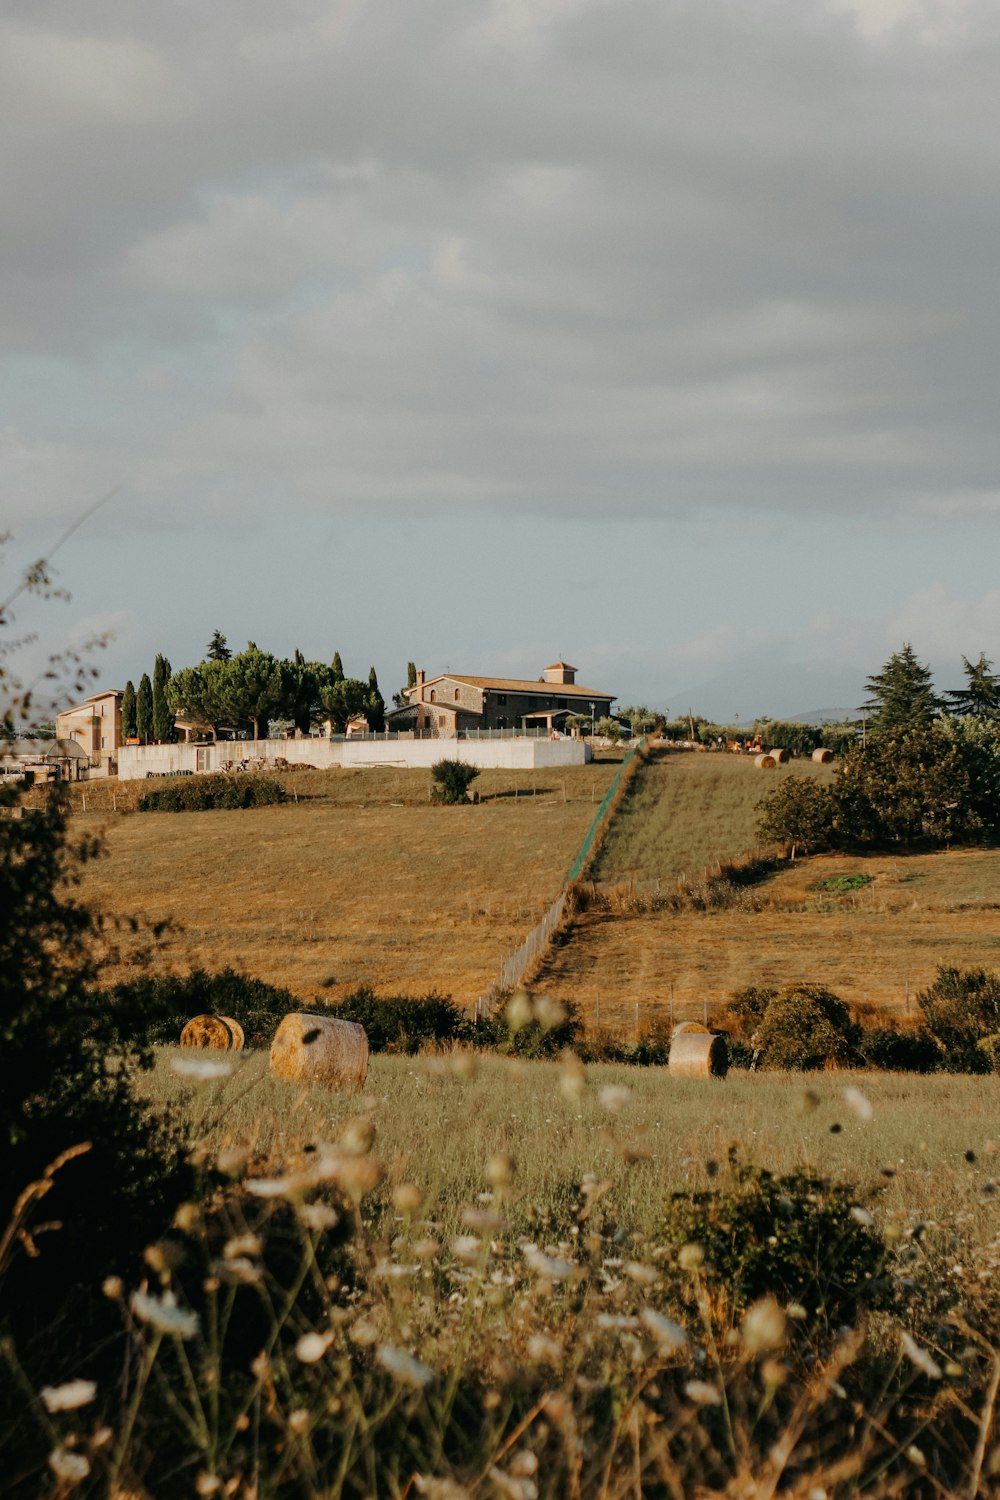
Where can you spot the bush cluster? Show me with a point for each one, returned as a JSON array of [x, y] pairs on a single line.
[[452, 779], [205, 793]]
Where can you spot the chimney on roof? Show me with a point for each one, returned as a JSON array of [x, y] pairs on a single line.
[[560, 671]]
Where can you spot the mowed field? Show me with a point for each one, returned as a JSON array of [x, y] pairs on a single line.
[[878, 945], [361, 881]]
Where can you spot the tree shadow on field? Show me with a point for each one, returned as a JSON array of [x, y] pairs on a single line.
[[517, 793]]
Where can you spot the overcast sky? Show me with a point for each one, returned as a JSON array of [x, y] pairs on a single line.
[[661, 335]]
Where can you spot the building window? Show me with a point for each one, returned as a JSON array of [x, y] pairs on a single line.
[[432, 694], [457, 695], [104, 743]]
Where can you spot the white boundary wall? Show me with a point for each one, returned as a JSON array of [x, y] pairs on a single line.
[[136, 762]]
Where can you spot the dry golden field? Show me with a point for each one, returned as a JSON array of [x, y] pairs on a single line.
[[880, 944], [360, 881]]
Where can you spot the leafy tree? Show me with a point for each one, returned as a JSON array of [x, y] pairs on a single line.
[[129, 730], [45, 729], [343, 698], [908, 783], [203, 694], [799, 739], [337, 668], [301, 691], [144, 709], [217, 648], [639, 717], [902, 693], [608, 729], [254, 684], [374, 709], [453, 779], [163, 719], [981, 695], [800, 812]]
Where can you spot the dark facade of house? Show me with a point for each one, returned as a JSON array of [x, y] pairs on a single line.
[[454, 703]]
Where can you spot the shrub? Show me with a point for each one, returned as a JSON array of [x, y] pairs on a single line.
[[806, 1026], [743, 1012], [899, 1051], [66, 1080], [524, 1028], [797, 1237], [401, 1023], [453, 779], [961, 1007], [206, 793], [153, 1008], [990, 1048]]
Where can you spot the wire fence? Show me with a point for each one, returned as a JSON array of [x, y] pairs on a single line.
[[514, 968]]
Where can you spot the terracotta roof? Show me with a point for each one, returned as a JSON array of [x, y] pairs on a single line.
[[565, 664], [520, 685]]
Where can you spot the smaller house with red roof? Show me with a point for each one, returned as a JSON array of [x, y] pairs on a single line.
[[454, 703]]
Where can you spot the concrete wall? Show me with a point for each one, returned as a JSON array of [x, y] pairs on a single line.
[[135, 762]]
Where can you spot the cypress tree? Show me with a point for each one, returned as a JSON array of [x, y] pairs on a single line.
[[163, 719], [337, 668], [129, 731], [411, 674], [374, 703], [144, 709]]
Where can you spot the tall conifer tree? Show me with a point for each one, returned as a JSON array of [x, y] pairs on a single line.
[[163, 719], [129, 731], [144, 709]]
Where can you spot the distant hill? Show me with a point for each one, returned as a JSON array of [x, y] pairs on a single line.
[[825, 716], [755, 687]]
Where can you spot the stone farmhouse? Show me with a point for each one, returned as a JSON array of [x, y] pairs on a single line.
[[453, 704], [96, 726]]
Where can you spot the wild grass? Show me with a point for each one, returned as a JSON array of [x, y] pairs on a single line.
[[439, 1120], [359, 881], [467, 1283]]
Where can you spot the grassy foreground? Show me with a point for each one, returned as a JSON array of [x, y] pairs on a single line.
[[466, 1283]]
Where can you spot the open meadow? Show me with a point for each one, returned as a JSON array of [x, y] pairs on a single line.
[[360, 881]]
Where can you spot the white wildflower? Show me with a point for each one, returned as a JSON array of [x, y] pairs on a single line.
[[614, 1097], [543, 1350], [466, 1247], [862, 1216], [859, 1103], [319, 1216], [702, 1394], [552, 1267], [312, 1346], [69, 1396], [670, 1336], [389, 1270], [163, 1314], [70, 1467], [617, 1321], [514, 1486], [403, 1365], [439, 1489], [764, 1326], [918, 1355], [201, 1069]]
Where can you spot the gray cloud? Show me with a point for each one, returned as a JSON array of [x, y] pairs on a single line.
[[538, 254]]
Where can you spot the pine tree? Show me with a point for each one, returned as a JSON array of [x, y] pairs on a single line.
[[129, 731], [337, 668], [163, 719], [981, 695], [144, 709], [902, 693], [217, 648]]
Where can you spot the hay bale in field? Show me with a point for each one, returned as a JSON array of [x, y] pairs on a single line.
[[209, 1031], [780, 757], [236, 1031], [822, 757], [698, 1055], [765, 761], [320, 1049], [689, 1028]]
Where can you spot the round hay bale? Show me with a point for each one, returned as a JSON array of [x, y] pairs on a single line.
[[690, 1028], [765, 761], [780, 757], [320, 1049], [207, 1031], [822, 757], [237, 1033], [698, 1055]]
